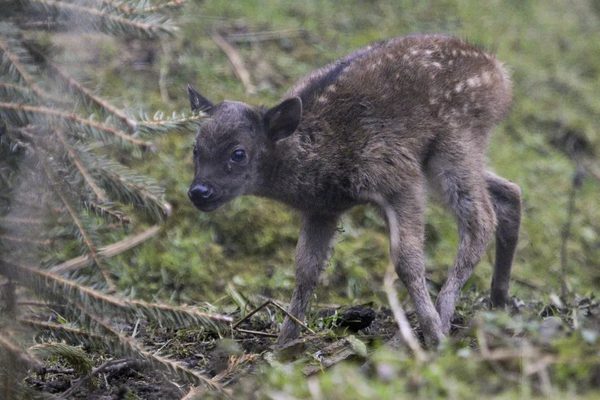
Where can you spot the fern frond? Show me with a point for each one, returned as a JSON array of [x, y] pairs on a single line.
[[107, 20]]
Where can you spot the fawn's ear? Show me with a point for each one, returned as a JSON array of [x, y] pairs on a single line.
[[283, 119], [197, 101]]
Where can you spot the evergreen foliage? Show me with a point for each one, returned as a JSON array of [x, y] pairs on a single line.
[[66, 193]]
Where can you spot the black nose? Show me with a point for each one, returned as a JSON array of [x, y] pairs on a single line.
[[200, 191]]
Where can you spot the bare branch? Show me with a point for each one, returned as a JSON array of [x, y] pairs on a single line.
[[403, 324]]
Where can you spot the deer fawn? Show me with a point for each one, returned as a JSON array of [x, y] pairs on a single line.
[[379, 126]]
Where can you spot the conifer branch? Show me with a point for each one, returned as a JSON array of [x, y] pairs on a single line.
[[42, 25], [19, 68], [168, 5], [11, 90], [104, 211], [130, 9], [170, 125], [106, 21], [182, 316], [100, 195], [87, 95], [24, 221], [84, 235], [131, 188], [74, 355], [131, 349], [105, 252], [16, 351], [87, 125], [69, 332], [22, 240], [54, 285]]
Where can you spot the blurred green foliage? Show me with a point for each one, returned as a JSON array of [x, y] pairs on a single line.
[[550, 47]]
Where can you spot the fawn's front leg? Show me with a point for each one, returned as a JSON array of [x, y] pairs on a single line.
[[312, 251]]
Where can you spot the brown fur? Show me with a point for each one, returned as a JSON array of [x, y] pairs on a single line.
[[379, 126]]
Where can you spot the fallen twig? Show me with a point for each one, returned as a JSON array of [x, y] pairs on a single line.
[[96, 371], [257, 333], [235, 59], [283, 310], [263, 36], [400, 317]]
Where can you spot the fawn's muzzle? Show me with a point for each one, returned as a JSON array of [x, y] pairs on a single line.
[[200, 192]]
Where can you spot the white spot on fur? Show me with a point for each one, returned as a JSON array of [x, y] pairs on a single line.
[[450, 62], [331, 89], [436, 65], [389, 56], [454, 53], [321, 99], [473, 82], [486, 77], [459, 87]]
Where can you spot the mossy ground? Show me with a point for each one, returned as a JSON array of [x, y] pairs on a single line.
[[247, 247]]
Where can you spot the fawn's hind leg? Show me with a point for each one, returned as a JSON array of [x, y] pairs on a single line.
[[460, 180], [506, 197]]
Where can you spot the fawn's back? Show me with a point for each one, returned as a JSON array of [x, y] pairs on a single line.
[[386, 109]]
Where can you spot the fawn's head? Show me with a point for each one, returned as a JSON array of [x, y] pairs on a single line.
[[233, 145]]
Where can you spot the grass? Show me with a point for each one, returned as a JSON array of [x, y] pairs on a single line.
[[554, 59]]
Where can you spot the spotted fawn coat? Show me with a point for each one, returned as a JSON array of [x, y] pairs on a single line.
[[382, 126]]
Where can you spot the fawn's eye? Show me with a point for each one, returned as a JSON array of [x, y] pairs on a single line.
[[238, 156], [195, 151]]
